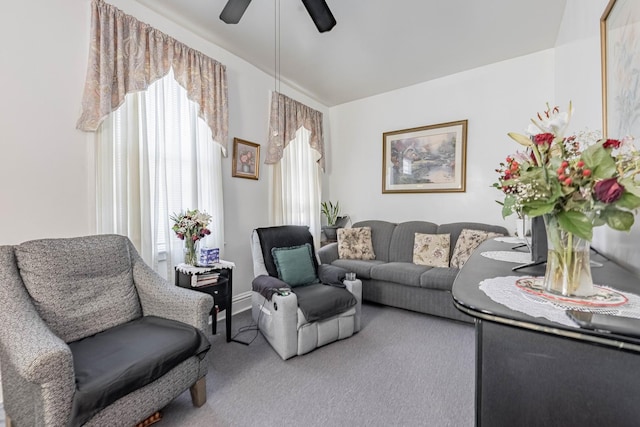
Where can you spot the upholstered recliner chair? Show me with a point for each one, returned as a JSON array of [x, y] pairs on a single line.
[[298, 304], [90, 335]]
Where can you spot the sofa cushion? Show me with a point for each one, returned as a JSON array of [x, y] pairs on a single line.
[[295, 265], [431, 250], [381, 232], [320, 301], [439, 278], [80, 286], [360, 267], [402, 239], [355, 243], [467, 242], [405, 273], [117, 361]]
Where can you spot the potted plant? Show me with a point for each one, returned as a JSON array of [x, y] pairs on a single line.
[[334, 220]]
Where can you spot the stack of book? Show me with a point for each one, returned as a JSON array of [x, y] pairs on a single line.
[[204, 279]]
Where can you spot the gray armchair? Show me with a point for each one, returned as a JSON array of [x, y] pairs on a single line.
[[90, 335], [298, 304]]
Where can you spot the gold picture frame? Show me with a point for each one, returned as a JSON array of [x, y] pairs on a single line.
[[620, 57], [427, 159], [246, 159]]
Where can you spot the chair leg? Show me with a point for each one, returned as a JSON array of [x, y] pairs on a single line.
[[199, 392], [7, 421]]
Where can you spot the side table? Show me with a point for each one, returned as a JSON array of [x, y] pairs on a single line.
[[216, 281]]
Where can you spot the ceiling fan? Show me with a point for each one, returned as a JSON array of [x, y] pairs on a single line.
[[318, 10]]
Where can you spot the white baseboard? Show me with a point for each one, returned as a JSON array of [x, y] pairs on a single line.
[[239, 303]]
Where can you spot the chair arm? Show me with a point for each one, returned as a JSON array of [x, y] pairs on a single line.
[[355, 287], [160, 298], [328, 253], [331, 274], [267, 285], [36, 353], [37, 366], [27, 343]]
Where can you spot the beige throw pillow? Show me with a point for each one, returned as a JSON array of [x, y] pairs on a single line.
[[467, 242], [431, 249], [355, 243]]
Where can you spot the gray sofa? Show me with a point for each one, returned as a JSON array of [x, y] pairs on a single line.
[[393, 279]]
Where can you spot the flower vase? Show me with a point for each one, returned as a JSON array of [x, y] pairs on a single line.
[[568, 270], [190, 251]]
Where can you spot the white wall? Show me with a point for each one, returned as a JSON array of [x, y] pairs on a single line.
[[495, 99], [578, 77], [47, 166]]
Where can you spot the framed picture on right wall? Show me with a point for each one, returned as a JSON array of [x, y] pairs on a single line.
[[620, 50]]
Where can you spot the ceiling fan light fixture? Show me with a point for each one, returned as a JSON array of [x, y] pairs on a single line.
[[233, 11], [320, 13]]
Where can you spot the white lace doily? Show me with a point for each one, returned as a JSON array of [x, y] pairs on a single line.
[[192, 269], [510, 239], [508, 256], [503, 290]]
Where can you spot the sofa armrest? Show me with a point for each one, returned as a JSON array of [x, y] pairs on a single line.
[[160, 298], [328, 253]]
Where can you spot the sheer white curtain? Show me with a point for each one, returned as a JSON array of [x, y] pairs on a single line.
[[296, 185], [155, 157]]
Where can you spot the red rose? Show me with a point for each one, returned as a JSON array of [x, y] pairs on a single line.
[[543, 138], [612, 143], [608, 190]]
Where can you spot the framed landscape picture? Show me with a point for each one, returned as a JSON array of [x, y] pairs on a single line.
[[246, 159], [428, 159], [620, 50]]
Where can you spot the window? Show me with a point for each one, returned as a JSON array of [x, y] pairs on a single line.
[[155, 157], [297, 187]]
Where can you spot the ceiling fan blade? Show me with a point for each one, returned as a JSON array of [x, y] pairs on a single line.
[[320, 13], [233, 11]]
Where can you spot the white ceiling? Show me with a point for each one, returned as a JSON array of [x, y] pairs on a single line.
[[377, 45]]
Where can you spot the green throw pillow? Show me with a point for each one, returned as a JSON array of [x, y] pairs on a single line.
[[295, 265]]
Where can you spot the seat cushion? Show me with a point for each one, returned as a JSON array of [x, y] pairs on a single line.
[[320, 301], [360, 267], [117, 361], [405, 273], [439, 278], [82, 285]]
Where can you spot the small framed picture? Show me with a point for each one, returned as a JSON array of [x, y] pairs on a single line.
[[427, 159], [246, 159]]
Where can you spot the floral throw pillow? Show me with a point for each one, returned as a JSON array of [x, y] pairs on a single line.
[[467, 242], [355, 243], [431, 249]]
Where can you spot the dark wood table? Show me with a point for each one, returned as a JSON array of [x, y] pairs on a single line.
[[531, 371], [221, 291]]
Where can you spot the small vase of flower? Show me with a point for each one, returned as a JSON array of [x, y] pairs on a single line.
[[191, 226], [576, 183]]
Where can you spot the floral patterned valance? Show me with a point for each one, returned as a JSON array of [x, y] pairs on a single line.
[[287, 116], [127, 55]]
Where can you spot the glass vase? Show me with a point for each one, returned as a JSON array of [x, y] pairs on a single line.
[[190, 251], [568, 264]]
